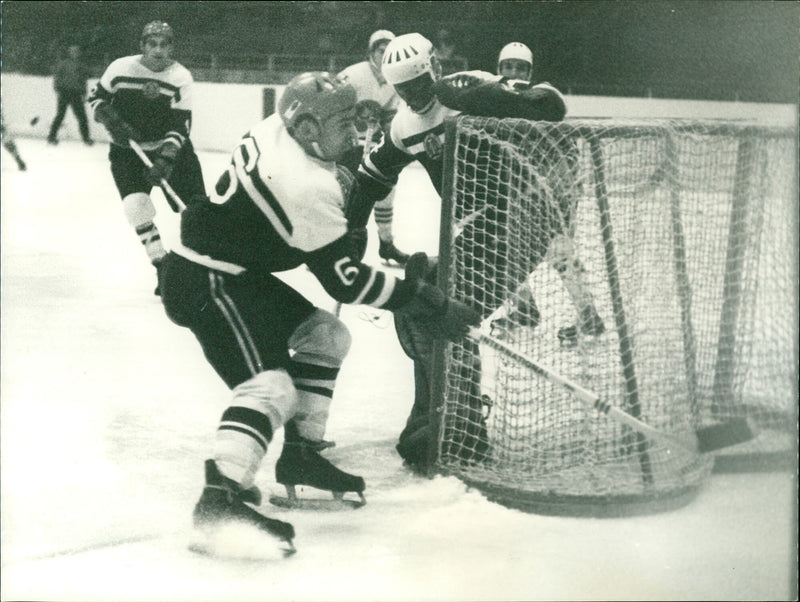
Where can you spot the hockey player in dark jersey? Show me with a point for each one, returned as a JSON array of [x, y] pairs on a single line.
[[515, 64], [148, 98], [417, 133], [280, 204]]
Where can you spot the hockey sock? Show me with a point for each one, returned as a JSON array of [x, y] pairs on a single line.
[[384, 216], [259, 405], [321, 344], [139, 211], [314, 384], [571, 270]]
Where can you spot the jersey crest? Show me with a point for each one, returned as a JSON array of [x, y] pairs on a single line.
[[433, 146]]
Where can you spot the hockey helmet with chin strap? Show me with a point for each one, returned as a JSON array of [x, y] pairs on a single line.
[[317, 95], [157, 28], [406, 58]]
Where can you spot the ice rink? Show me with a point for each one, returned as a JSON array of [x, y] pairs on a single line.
[[108, 411]]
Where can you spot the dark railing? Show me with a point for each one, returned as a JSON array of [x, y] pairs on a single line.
[[278, 68]]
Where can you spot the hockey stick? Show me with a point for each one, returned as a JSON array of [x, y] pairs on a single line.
[[459, 226], [164, 184], [705, 439], [371, 128]]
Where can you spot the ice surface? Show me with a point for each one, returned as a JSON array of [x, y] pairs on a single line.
[[108, 411]]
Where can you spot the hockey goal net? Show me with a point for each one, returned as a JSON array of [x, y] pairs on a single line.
[[681, 235]]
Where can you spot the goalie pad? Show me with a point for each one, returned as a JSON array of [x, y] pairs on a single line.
[[471, 442]]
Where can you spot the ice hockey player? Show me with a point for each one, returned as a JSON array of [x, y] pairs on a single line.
[[377, 104], [515, 64], [417, 133], [280, 204], [148, 98], [11, 146]]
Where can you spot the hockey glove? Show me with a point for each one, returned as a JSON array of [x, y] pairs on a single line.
[[162, 164], [367, 112], [119, 129], [446, 318]]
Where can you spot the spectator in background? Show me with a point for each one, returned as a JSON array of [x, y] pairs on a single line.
[[69, 81], [377, 104]]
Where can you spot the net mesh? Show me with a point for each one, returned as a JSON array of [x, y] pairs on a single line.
[[650, 262]]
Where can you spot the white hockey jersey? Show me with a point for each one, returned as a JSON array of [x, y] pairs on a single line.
[[275, 208], [158, 104], [370, 85]]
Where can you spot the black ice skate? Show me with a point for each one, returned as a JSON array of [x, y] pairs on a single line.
[[301, 464], [524, 314], [388, 252], [224, 502], [590, 324]]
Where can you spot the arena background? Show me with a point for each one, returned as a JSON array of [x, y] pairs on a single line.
[[713, 50]]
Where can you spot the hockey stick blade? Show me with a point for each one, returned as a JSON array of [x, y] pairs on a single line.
[[725, 434], [704, 440]]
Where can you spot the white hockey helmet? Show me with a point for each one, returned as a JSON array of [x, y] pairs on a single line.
[[382, 35], [315, 94], [407, 57], [517, 51]]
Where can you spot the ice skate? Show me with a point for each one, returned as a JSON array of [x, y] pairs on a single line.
[[222, 512], [301, 464], [591, 324], [524, 314], [388, 252]]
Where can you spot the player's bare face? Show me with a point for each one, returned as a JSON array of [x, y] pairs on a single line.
[[157, 53], [417, 93], [515, 69], [338, 135], [377, 52]]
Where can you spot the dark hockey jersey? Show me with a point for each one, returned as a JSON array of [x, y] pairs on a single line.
[[158, 104], [276, 208], [420, 136]]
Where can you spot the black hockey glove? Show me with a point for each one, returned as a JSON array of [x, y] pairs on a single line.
[[119, 129], [162, 164], [367, 112], [446, 318]]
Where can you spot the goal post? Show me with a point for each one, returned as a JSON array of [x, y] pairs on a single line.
[[680, 235]]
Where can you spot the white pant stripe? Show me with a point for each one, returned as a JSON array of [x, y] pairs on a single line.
[[226, 306]]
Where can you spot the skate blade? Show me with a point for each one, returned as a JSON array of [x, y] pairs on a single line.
[[237, 541], [337, 503]]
